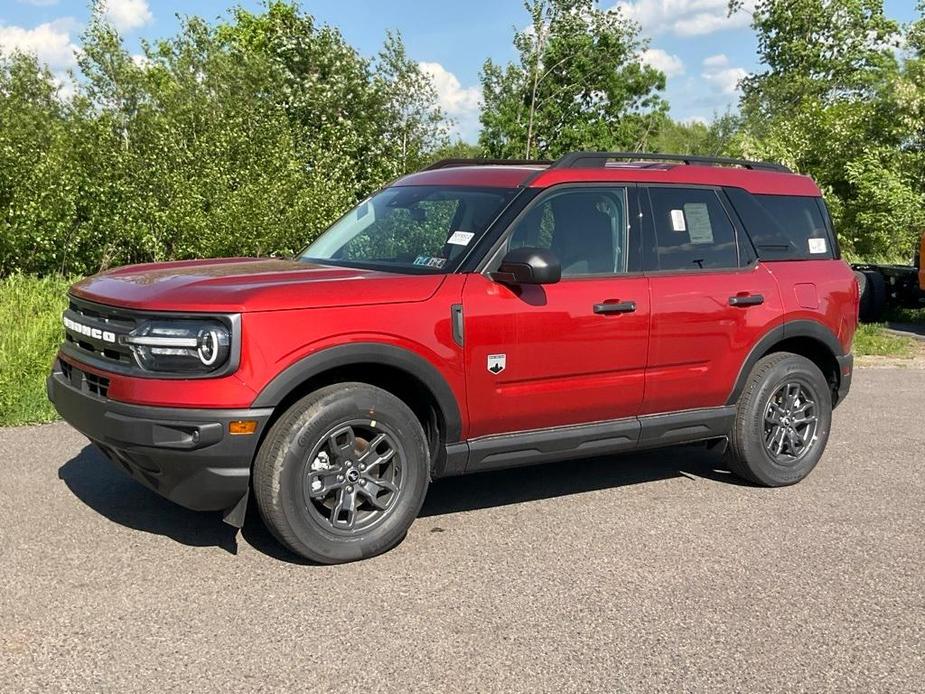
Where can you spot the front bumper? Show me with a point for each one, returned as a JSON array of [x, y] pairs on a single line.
[[845, 371], [185, 455]]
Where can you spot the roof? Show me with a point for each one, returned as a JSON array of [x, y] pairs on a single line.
[[756, 177]]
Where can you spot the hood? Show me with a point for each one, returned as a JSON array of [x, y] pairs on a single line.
[[237, 285]]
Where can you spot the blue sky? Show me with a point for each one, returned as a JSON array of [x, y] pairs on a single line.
[[703, 52]]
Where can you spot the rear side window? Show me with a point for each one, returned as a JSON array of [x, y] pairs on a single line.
[[692, 230], [783, 227]]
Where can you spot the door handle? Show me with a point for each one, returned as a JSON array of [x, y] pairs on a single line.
[[746, 300], [615, 307]]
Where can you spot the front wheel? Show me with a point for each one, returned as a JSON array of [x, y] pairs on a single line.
[[782, 421], [343, 473]]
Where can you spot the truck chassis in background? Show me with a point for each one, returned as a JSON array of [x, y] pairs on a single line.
[[890, 286]]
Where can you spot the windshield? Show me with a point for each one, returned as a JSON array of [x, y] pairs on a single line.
[[421, 228]]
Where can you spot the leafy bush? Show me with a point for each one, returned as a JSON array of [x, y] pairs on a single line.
[[247, 137], [30, 311]]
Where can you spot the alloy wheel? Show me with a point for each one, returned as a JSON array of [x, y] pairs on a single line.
[[790, 423], [354, 476]]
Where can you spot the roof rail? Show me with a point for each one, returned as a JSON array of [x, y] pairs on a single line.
[[447, 163], [582, 160]]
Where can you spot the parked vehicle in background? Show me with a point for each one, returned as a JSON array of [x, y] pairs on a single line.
[[891, 286], [472, 316]]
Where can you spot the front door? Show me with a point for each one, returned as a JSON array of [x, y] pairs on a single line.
[[572, 352]]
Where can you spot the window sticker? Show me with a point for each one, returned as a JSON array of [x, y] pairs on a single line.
[[429, 261], [698, 222], [460, 238], [818, 246], [677, 220]]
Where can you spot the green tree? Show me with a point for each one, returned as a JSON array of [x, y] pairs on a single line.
[[828, 104], [708, 139], [417, 126], [579, 83], [35, 189], [246, 136]]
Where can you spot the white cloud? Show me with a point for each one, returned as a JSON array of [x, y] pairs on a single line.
[[718, 73], [126, 15], [67, 88], [686, 17], [49, 42], [141, 60], [460, 103], [670, 64]]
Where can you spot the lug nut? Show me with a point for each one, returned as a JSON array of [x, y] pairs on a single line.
[[349, 487], [340, 478], [362, 467], [362, 483]]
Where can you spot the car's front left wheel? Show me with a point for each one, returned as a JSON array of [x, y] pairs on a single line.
[[343, 473]]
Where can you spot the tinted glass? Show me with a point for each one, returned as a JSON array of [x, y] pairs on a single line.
[[425, 228], [585, 229], [783, 227], [692, 230]]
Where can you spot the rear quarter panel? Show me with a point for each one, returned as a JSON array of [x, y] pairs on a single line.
[[821, 290]]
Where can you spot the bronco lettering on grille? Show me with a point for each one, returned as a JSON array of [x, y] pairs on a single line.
[[95, 333]]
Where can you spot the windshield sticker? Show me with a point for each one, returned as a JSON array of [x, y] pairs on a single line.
[[430, 261], [817, 246], [698, 222], [677, 220], [460, 238]]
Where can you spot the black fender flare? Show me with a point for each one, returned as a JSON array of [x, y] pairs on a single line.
[[779, 333], [366, 353]]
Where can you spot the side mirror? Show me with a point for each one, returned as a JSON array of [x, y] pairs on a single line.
[[528, 266]]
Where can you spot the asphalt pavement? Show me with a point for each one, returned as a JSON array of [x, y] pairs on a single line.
[[650, 572]]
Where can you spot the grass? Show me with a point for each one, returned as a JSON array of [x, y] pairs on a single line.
[[30, 316], [872, 340]]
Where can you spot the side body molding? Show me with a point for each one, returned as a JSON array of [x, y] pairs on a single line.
[[785, 331], [367, 353]]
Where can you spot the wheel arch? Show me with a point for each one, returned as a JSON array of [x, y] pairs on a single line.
[[807, 338], [403, 373]]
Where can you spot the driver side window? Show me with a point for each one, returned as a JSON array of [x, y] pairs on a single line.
[[585, 228]]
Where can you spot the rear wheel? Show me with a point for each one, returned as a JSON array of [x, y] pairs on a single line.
[[343, 473], [782, 421]]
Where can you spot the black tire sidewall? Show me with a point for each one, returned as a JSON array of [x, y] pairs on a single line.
[[760, 463], [328, 408], [864, 289]]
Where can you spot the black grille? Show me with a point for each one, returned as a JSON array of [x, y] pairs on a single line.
[[98, 385], [111, 322], [84, 380]]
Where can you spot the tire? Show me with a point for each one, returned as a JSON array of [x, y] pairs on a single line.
[[772, 381], [873, 296], [310, 471], [864, 291]]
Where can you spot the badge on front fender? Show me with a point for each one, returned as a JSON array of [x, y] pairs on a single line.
[[497, 363]]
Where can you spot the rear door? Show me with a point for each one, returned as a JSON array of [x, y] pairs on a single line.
[[566, 353], [711, 299]]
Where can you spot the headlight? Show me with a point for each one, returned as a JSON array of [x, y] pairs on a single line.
[[180, 346]]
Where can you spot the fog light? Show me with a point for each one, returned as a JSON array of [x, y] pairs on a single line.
[[242, 427]]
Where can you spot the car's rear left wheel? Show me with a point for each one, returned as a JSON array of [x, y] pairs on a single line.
[[343, 473], [782, 421]]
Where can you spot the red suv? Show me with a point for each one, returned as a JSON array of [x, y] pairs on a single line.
[[475, 315]]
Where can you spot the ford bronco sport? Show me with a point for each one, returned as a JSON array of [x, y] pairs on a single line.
[[475, 315]]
